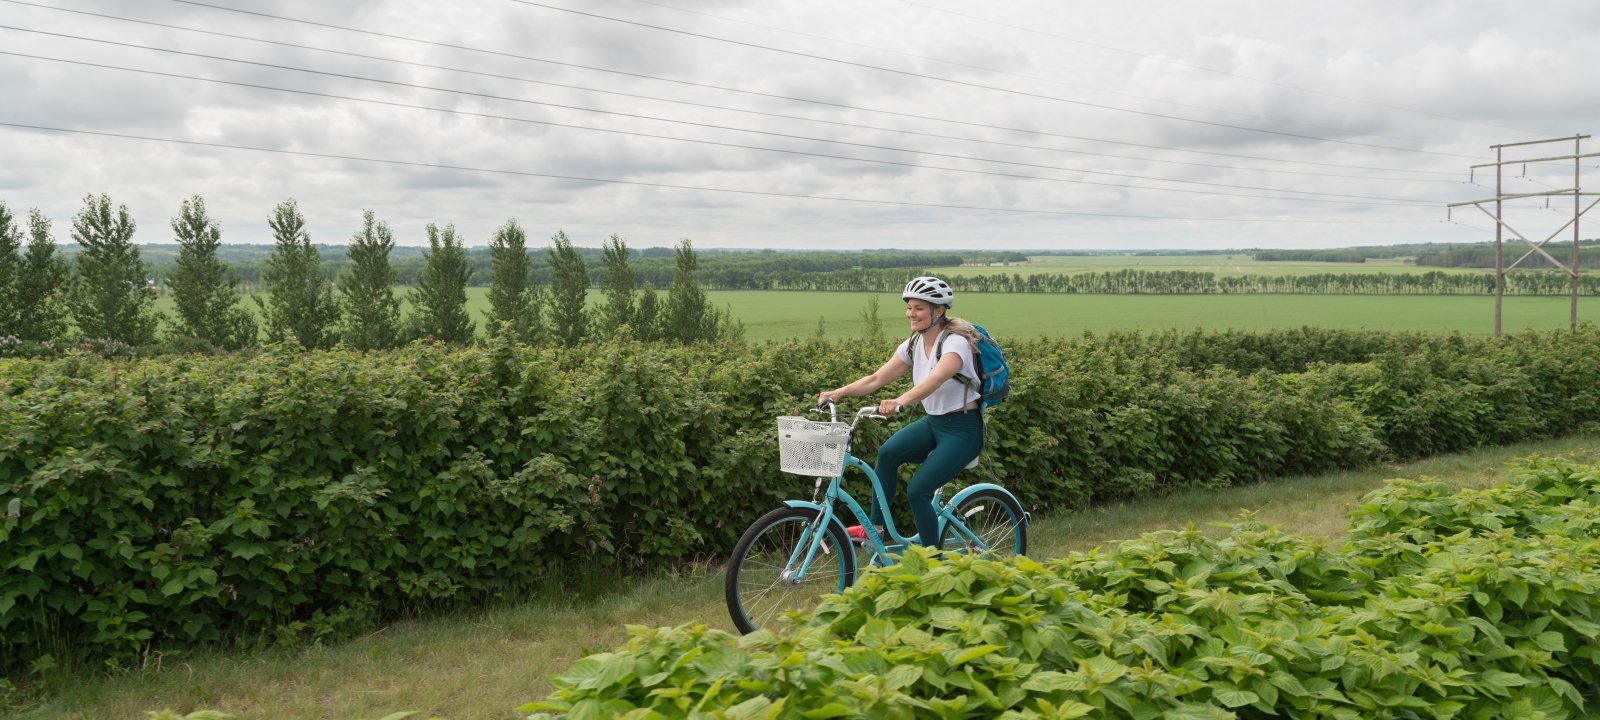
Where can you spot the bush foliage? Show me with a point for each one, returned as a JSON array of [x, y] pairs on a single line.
[[1478, 604], [151, 505]]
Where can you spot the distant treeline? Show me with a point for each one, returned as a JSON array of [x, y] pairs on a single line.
[[721, 269], [838, 270], [888, 271], [1370, 252], [1473, 255], [1183, 282], [1480, 256], [1346, 255]]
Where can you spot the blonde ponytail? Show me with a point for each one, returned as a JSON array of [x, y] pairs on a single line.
[[957, 326]]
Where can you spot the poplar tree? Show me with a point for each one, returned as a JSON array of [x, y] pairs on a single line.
[[513, 301], [619, 309], [569, 291], [439, 302], [647, 317], [111, 297], [299, 301], [371, 310], [42, 285], [688, 317], [874, 322], [204, 290], [10, 269]]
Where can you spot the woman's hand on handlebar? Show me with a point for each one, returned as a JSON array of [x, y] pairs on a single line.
[[889, 407], [825, 397]]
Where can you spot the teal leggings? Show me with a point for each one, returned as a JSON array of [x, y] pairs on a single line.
[[944, 444]]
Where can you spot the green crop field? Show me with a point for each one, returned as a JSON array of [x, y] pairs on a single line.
[[779, 315], [776, 315]]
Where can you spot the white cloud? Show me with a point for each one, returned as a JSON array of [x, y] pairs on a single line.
[[1337, 82]]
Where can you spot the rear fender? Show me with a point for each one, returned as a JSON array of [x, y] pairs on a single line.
[[969, 490]]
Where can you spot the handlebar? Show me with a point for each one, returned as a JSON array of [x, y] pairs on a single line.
[[832, 409]]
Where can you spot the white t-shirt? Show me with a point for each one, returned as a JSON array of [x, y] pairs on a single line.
[[952, 395]]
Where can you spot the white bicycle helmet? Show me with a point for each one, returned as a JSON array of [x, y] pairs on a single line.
[[931, 289]]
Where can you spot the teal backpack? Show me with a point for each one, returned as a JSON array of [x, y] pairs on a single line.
[[993, 383]]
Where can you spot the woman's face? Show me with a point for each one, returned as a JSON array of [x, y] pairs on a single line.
[[921, 314]]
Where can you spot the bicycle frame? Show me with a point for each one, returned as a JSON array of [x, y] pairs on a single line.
[[811, 539], [792, 548]]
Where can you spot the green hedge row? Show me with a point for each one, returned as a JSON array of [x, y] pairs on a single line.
[[1442, 605], [157, 504]]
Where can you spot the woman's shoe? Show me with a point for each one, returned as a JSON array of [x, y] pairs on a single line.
[[858, 534]]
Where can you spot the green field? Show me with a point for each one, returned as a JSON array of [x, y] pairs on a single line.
[[777, 315]]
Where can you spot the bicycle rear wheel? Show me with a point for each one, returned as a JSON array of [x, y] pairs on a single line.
[[762, 582], [996, 519]]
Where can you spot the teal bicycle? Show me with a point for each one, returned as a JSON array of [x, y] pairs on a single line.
[[792, 556]]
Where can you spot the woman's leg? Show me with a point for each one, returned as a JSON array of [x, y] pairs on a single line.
[[957, 440], [909, 444]]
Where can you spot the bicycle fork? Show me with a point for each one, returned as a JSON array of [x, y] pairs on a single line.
[[812, 539]]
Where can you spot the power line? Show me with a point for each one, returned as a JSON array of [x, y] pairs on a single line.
[[993, 88], [689, 83], [969, 66], [490, 116], [525, 173], [726, 108], [1144, 56], [1376, 200]]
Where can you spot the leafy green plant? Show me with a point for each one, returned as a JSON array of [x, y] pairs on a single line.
[[1436, 624], [294, 496]]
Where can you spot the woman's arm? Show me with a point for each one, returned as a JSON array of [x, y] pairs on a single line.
[[868, 384], [948, 366]]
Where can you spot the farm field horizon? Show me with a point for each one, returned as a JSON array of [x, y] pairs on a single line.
[[775, 315], [1222, 265]]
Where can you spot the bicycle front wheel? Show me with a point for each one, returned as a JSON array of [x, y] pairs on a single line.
[[767, 574], [996, 527]]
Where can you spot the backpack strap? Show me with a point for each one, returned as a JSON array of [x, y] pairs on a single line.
[[975, 386], [911, 343]]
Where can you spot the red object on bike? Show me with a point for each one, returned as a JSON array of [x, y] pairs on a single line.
[[856, 532]]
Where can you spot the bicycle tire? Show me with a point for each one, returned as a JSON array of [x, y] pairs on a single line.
[[756, 588], [997, 519]]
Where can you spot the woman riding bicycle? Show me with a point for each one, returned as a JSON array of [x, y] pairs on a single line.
[[950, 436]]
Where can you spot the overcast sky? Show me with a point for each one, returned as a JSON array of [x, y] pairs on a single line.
[[936, 124]]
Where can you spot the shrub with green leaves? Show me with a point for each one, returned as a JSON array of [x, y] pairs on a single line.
[[293, 495], [1475, 623]]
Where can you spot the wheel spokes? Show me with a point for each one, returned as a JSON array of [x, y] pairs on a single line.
[[766, 584]]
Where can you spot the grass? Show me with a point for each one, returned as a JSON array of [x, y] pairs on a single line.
[[485, 664], [776, 315], [779, 315]]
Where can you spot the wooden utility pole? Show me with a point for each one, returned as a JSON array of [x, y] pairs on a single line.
[[1500, 224]]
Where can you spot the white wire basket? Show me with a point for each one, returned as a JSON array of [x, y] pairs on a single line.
[[808, 447]]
